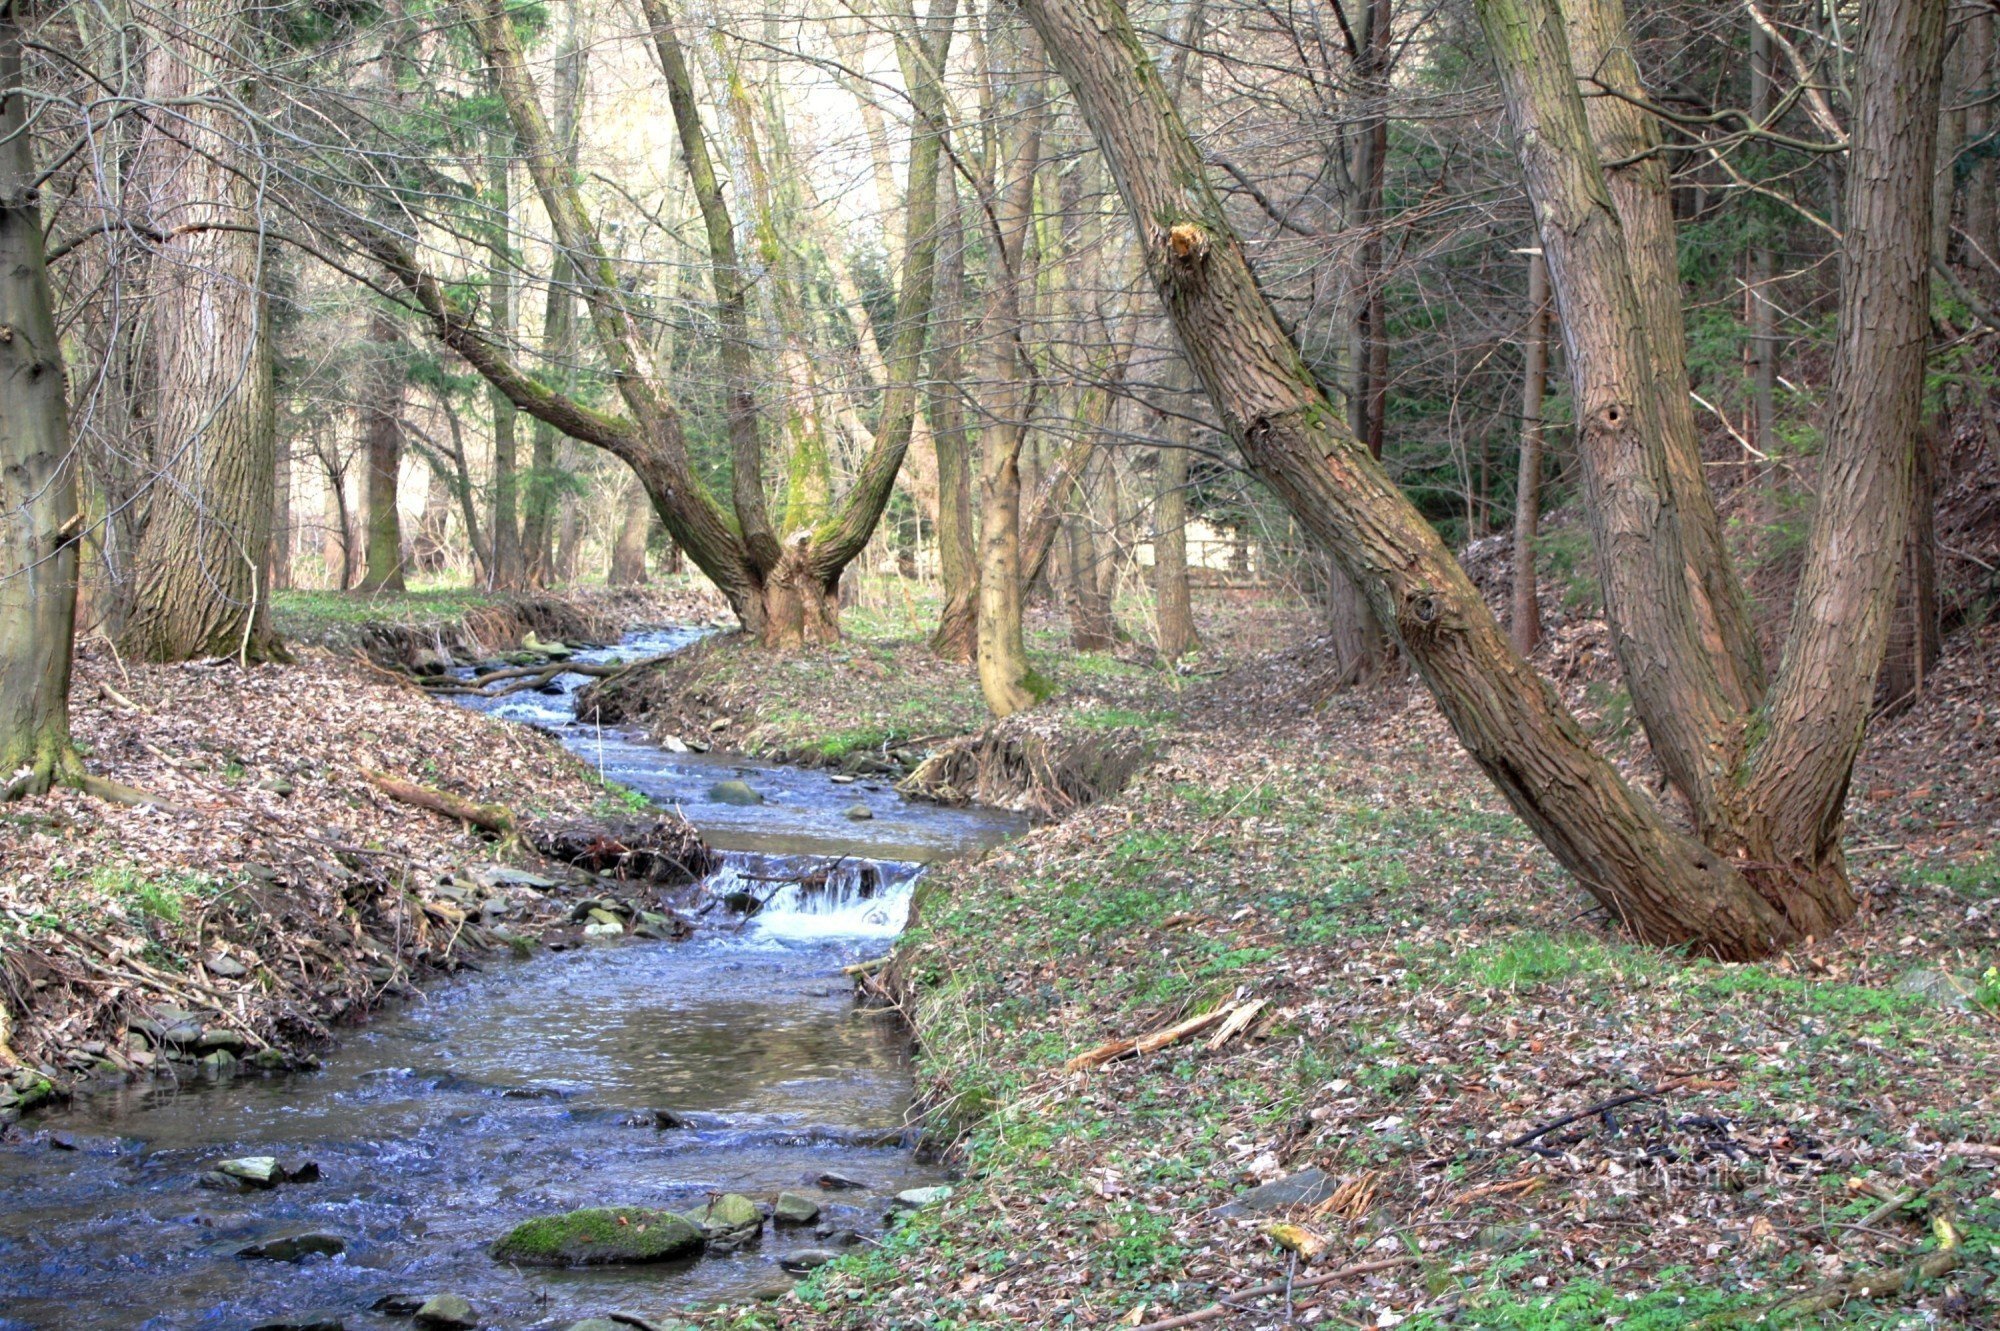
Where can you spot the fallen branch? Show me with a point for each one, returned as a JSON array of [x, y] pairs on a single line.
[[1238, 1022], [117, 792], [865, 967], [1147, 1044], [494, 818], [1216, 1310]]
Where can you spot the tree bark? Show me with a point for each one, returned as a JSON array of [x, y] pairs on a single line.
[[1525, 620], [382, 385], [278, 572], [202, 558], [40, 527], [1916, 638], [1982, 183], [1763, 274]]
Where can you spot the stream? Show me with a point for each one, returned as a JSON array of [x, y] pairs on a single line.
[[526, 1089]]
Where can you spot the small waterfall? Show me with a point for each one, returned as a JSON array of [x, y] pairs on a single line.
[[803, 897]]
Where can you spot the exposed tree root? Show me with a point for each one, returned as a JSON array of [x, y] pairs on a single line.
[[1023, 763]]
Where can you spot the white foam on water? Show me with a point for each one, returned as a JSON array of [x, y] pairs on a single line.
[[858, 898]]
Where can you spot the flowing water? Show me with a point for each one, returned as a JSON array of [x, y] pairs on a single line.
[[526, 1089]]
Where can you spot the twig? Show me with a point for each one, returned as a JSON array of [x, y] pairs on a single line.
[[1630, 1097], [1216, 1310]]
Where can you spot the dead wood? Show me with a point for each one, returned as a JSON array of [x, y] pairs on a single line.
[[493, 818], [1158, 1040]]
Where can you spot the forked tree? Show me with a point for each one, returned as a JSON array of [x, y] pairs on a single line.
[[1763, 768], [782, 584]]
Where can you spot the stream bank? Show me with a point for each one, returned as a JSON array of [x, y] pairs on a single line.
[[1426, 987], [675, 1081]]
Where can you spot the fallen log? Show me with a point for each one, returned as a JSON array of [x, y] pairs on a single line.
[[494, 818]]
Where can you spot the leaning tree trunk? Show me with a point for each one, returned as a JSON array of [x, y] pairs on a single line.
[[1664, 885], [201, 562], [40, 527], [382, 388]]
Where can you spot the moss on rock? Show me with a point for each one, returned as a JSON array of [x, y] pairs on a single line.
[[600, 1235]]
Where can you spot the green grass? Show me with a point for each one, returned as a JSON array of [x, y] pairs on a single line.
[[294, 609]]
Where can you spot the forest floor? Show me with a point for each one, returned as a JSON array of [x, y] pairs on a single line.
[[880, 698], [267, 889], [1521, 1120]]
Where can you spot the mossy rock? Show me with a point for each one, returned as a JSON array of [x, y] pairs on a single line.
[[600, 1236], [734, 792]]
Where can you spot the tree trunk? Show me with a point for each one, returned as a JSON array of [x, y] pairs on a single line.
[[202, 560], [1662, 884], [1170, 567], [506, 570], [382, 389], [1713, 602], [1763, 274], [1916, 638], [1796, 777], [1089, 614], [278, 575], [958, 558], [1006, 679], [1982, 182], [1361, 642], [628, 551], [39, 523], [1525, 620]]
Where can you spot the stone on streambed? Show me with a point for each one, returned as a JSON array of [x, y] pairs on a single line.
[[447, 1312], [807, 1259], [916, 1199], [729, 1222], [260, 1171], [859, 813], [600, 1236], [734, 792], [294, 1247], [793, 1209]]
